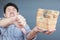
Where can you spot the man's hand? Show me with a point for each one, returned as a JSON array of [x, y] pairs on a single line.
[[7, 21], [49, 32], [38, 29], [20, 21]]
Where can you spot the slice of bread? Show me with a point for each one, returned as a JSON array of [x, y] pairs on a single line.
[[47, 19]]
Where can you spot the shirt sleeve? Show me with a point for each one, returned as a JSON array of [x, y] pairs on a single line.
[[27, 28], [2, 30]]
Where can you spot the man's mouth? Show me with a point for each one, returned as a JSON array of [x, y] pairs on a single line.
[[12, 14]]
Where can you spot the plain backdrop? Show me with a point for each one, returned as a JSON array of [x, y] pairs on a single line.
[[28, 8]]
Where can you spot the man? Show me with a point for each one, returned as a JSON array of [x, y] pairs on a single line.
[[14, 27]]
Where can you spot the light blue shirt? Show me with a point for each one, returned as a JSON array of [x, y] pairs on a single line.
[[13, 33]]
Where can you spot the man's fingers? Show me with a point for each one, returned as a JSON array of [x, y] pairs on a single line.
[[41, 30], [50, 32], [45, 31]]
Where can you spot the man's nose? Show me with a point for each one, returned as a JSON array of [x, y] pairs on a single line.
[[11, 10]]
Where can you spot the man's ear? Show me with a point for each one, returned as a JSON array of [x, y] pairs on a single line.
[[4, 15], [18, 13]]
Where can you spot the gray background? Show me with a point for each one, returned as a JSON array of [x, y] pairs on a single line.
[[28, 9]]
